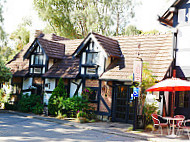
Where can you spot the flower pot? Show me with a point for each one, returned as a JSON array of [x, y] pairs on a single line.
[[82, 119]]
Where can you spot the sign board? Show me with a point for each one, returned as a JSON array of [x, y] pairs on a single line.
[[135, 92], [137, 70]]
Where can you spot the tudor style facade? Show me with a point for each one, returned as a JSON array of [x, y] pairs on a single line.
[[101, 63], [177, 17]]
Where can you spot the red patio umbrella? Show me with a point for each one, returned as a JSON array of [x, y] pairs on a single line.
[[171, 85]]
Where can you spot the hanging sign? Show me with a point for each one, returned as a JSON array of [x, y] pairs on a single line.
[[137, 70], [135, 92]]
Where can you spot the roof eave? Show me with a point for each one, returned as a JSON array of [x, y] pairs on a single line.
[[162, 20]]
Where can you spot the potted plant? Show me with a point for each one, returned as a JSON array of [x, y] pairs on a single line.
[[81, 116]]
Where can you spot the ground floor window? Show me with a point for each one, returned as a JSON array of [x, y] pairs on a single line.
[[94, 95], [184, 98], [91, 93]]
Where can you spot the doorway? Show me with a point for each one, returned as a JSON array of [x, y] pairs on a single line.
[[124, 104]]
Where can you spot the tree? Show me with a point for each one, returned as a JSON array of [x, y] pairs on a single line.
[[21, 35], [148, 80], [5, 73], [132, 30], [122, 11], [2, 32], [154, 31], [75, 19], [5, 51], [59, 94]]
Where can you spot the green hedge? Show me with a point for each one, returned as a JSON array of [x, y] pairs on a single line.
[[30, 103]]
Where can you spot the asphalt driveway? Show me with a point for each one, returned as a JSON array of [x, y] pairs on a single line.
[[15, 128]]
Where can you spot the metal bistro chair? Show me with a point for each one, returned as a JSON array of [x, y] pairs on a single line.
[[179, 123], [158, 124], [186, 128]]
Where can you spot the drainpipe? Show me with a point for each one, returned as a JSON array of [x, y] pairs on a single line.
[[174, 69], [174, 52]]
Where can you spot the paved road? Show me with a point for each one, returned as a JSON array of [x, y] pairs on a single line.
[[14, 128]]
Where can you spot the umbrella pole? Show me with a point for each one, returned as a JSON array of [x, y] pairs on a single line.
[[172, 104]]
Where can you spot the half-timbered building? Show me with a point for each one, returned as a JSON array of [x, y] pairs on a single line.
[[104, 64], [177, 17]]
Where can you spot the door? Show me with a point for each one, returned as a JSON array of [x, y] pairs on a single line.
[[123, 104]]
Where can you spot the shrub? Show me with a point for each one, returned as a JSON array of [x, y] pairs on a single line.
[[86, 93], [81, 114], [59, 94], [10, 106], [75, 104], [30, 103], [38, 108], [149, 109]]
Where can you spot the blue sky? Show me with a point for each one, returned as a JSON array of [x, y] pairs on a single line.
[[145, 19]]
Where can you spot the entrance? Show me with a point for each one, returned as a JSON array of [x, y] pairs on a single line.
[[124, 109]]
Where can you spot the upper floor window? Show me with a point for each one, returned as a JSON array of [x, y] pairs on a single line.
[[183, 15], [37, 61], [92, 58]]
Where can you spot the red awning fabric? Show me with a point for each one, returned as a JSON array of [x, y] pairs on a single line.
[[170, 85]]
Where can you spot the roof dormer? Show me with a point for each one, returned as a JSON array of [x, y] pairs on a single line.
[[96, 52]]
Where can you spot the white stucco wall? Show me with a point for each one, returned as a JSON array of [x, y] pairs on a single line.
[[46, 98], [101, 62], [7, 87], [183, 50], [73, 88], [108, 61], [50, 63], [27, 83], [101, 58], [183, 46], [29, 93], [51, 83]]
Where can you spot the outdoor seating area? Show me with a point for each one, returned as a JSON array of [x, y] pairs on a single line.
[[175, 126]]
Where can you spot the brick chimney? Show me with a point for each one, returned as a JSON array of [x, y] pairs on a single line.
[[34, 34]]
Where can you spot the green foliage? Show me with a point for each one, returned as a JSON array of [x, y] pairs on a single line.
[[76, 18], [11, 106], [38, 108], [81, 114], [21, 35], [151, 32], [2, 94], [75, 104], [59, 94], [5, 73], [86, 93], [148, 79], [6, 52], [132, 30], [2, 32], [148, 110], [30, 103]]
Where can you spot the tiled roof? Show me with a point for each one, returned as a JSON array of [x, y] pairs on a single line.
[[110, 45], [65, 68], [19, 67], [156, 50], [53, 49], [54, 37]]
